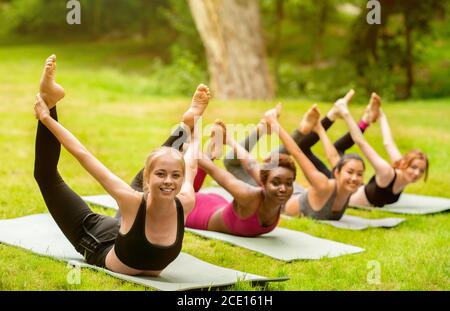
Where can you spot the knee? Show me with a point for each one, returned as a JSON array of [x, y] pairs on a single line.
[[39, 176], [43, 177]]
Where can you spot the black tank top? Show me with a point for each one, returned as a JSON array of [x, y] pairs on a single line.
[[378, 196], [135, 251]]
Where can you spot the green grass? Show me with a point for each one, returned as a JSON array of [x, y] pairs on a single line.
[[110, 109]]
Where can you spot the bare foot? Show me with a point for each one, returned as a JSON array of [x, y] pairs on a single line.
[[372, 111], [309, 120], [318, 127], [198, 105], [218, 139], [341, 105], [275, 113], [51, 92]]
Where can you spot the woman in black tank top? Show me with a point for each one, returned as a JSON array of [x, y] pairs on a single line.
[[389, 180], [151, 232]]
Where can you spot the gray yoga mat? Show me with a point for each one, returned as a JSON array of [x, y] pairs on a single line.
[[357, 223], [40, 234], [285, 244], [282, 244], [415, 205]]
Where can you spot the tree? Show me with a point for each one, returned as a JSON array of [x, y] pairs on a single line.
[[231, 34], [377, 45]]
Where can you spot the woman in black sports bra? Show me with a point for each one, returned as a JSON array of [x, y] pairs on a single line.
[[389, 181], [150, 234]]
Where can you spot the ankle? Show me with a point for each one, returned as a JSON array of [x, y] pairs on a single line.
[[363, 124]]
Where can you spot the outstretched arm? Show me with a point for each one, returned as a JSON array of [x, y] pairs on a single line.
[[330, 151], [241, 191], [115, 186], [187, 193], [316, 178], [388, 140], [248, 162], [383, 170]]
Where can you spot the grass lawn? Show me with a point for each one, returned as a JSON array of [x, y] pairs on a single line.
[[110, 109]]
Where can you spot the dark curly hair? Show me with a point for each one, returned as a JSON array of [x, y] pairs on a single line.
[[270, 162]]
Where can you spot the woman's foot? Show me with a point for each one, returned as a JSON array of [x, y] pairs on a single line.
[[51, 92], [309, 120], [272, 112], [372, 111], [218, 139], [198, 105], [341, 105]]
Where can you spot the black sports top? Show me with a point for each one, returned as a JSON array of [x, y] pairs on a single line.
[[135, 251], [378, 196]]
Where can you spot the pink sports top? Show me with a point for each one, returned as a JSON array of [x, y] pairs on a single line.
[[249, 226]]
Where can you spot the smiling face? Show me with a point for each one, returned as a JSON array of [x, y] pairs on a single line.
[[166, 178], [164, 173], [279, 184], [415, 170], [350, 176]]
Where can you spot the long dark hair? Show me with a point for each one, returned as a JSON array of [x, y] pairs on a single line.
[[345, 159]]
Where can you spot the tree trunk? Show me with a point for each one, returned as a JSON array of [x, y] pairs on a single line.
[[321, 27], [279, 15], [409, 60], [235, 49]]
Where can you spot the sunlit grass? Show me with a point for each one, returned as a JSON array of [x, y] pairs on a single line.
[[110, 108]]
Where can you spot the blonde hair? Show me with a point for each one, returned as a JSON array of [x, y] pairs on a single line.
[[155, 154], [410, 156]]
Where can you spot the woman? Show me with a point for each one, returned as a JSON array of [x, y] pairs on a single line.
[[333, 185], [330, 190], [390, 180], [151, 231], [255, 210]]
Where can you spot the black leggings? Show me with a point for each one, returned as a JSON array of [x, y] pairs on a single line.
[[72, 215], [305, 142]]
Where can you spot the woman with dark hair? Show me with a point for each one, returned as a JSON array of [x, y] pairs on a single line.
[[254, 210], [329, 192]]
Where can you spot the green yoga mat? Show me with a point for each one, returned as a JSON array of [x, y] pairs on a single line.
[[415, 205], [40, 234]]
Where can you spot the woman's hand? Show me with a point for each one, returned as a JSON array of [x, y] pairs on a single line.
[[271, 117], [41, 110]]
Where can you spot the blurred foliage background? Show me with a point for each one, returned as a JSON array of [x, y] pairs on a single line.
[[316, 49]]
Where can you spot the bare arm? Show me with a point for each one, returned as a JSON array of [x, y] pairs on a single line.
[[382, 168], [330, 151], [388, 140], [241, 191], [248, 162], [316, 178], [187, 193]]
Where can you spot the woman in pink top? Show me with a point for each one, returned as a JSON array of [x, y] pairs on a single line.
[[255, 210]]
